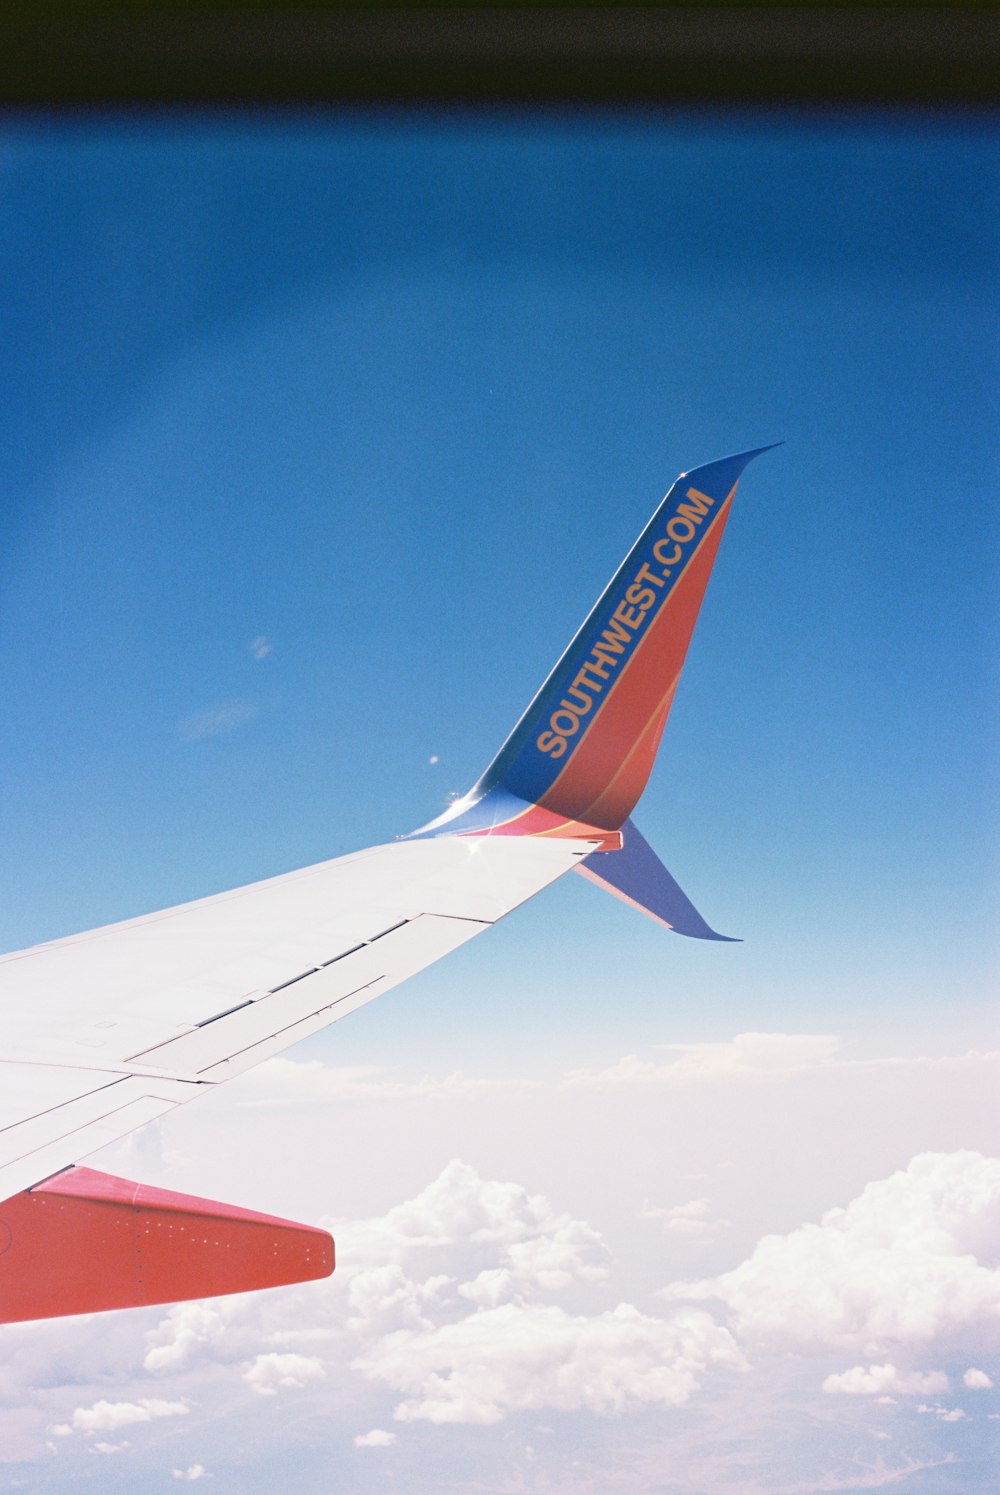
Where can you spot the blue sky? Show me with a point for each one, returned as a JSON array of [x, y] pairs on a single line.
[[394, 394]]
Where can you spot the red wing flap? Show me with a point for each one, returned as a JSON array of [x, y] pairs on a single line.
[[85, 1241]]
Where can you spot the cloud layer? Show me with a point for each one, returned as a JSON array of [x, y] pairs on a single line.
[[477, 1303]]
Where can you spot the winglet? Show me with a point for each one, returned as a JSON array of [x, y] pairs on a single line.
[[585, 747], [637, 876]]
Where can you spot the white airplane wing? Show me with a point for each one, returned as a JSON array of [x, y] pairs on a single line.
[[142, 1016], [104, 1031]]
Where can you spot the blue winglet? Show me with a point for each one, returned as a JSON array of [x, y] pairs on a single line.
[[636, 875]]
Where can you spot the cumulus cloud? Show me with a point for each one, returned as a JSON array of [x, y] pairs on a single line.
[[875, 1379], [233, 1330], [746, 1056], [977, 1380], [269, 1373], [513, 1233], [525, 1357], [946, 1414], [384, 1297], [377, 1438], [694, 1218], [447, 1300], [212, 721], [107, 1417], [191, 1473], [499, 1243], [461, 1242], [898, 1265], [187, 1328], [444, 1297]]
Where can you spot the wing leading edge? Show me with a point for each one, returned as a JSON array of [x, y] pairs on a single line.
[[104, 1031]]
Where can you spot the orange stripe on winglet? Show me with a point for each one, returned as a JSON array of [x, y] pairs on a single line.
[[615, 803], [621, 732], [534, 820]]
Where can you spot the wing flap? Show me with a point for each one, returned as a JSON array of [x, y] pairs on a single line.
[[37, 1148], [126, 988], [101, 1053], [121, 1245], [234, 1039]]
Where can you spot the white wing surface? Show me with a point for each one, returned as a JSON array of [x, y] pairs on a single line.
[[104, 1031]]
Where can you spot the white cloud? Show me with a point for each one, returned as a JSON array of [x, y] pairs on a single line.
[[187, 1327], [447, 1303], [528, 1357], [191, 1473], [694, 1218], [511, 1231], [260, 647], [746, 1056], [377, 1438], [102, 1447], [760, 1058], [461, 1241], [754, 1057], [501, 1243], [946, 1414], [269, 1373], [897, 1265], [446, 1298], [977, 1380], [383, 1297], [233, 1330], [297, 1082], [107, 1417], [860, 1381], [212, 721]]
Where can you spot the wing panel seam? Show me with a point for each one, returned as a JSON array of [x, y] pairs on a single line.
[[60, 1105], [310, 1017]]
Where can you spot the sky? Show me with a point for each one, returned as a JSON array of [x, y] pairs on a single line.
[[320, 435]]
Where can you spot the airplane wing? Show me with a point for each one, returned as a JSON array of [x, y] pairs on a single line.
[[104, 1031]]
